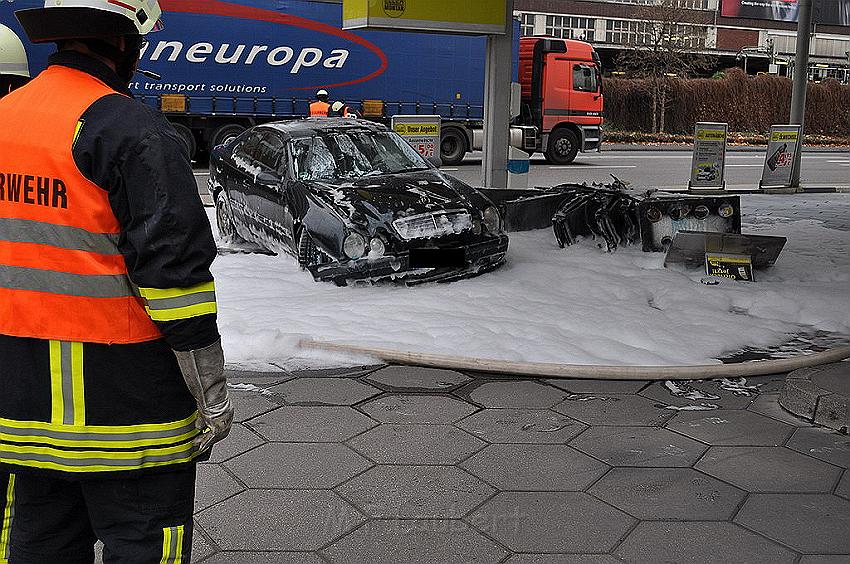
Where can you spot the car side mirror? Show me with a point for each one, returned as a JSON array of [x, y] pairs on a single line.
[[267, 179]]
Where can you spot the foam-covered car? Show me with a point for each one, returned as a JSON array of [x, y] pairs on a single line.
[[351, 200]]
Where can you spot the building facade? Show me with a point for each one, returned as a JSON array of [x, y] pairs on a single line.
[[757, 35]]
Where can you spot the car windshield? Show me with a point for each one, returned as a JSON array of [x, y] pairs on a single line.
[[353, 154]]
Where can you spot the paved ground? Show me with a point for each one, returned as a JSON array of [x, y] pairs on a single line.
[[403, 465]]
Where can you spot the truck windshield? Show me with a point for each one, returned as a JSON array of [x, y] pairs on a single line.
[[353, 154]]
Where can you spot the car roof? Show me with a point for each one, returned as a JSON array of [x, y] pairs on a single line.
[[311, 126]]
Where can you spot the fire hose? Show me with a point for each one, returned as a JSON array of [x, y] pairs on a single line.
[[589, 371]]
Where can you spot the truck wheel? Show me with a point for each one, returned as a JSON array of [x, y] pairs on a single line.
[[225, 134], [308, 253], [452, 146], [562, 148], [188, 137]]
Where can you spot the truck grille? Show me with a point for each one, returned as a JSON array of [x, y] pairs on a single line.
[[433, 225]]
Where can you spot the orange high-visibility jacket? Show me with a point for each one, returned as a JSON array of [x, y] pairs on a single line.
[[62, 275], [319, 109]]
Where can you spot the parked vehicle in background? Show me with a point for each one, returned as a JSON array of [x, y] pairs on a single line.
[[352, 201], [227, 66]]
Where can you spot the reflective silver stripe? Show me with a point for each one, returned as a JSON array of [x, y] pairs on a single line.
[[33, 434], [173, 548], [64, 283], [118, 463], [181, 301], [67, 384], [61, 236]]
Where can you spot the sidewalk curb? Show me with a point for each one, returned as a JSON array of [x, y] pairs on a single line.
[[637, 147], [820, 394]]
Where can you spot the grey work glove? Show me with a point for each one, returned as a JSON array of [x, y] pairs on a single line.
[[203, 371]]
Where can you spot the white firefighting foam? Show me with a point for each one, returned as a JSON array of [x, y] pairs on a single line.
[[578, 305]]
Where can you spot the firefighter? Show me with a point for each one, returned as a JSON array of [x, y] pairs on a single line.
[[320, 107], [14, 68], [340, 109], [111, 369]]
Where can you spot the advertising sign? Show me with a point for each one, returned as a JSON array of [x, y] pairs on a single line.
[[421, 132], [708, 166], [779, 160], [736, 267], [478, 17], [828, 12]]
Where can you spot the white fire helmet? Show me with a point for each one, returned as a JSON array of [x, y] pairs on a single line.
[[76, 19], [13, 57]]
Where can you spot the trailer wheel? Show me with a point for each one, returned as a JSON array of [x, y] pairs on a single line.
[[562, 147], [225, 134], [452, 146], [188, 137]]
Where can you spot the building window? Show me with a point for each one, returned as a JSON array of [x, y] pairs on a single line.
[[571, 27], [641, 33], [526, 25]]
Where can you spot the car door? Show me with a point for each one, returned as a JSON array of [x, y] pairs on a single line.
[[274, 213], [240, 180]]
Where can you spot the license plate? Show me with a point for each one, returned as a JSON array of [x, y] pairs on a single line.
[[437, 258]]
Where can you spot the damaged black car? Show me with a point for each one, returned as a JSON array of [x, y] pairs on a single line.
[[351, 200]]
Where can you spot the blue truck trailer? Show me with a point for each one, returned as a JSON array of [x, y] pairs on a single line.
[[228, 65]]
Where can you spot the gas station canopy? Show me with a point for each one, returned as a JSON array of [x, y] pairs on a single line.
[[477, 17]]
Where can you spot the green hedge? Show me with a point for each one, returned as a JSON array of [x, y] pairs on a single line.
[[745, 103]]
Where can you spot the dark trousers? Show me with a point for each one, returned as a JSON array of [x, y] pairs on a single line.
[[143, 519]]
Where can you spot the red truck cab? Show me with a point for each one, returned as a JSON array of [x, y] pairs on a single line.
[[561, 95]]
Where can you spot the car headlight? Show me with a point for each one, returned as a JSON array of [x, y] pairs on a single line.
[[492, 220], [654, 215], [701, 212], [354, 246], [679, 212], [477, 226], [726, 210], [377, 248]]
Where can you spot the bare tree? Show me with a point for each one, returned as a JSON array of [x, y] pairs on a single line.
[[663, 44]]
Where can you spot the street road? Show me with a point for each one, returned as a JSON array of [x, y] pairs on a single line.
[[656, 169]]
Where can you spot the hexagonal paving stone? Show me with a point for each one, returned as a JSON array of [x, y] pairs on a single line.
[[264, 558], [825, 559], [562, 559], [731, 428], [821, 443], [639, 446], [520, 393], [769, 469], [213, 485], [768, 405], [311, 424], [522, 426], [298, 465], [201, 547], [843, 488], [239, 440], [417, 378], [344, 372], [661, 393], [810, 523], [417, 408], [589, 386], [614, 410], [416, 444], [415, 492], [535, 467], [250, 404], [279, 520], [668, 493], [699, 543], [412, 542], [324, 391], [551, 522]]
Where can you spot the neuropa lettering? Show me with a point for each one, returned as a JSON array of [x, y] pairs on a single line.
[[227, 54]]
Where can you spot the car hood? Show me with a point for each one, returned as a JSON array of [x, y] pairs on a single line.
[[386, 198]]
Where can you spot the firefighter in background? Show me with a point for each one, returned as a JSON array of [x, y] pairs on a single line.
[[111, 369], [14, 68], [340, 109], [320, 107]]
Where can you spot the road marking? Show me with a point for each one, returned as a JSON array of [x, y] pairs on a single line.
[[449, 169], [590, 167], [839, 162], [202, 174], [742, 165]]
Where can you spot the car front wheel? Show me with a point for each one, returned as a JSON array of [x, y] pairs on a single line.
[[224, 218], [308, 253]]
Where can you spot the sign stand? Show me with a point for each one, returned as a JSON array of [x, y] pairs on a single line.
[[708, 164], [782, 151]]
